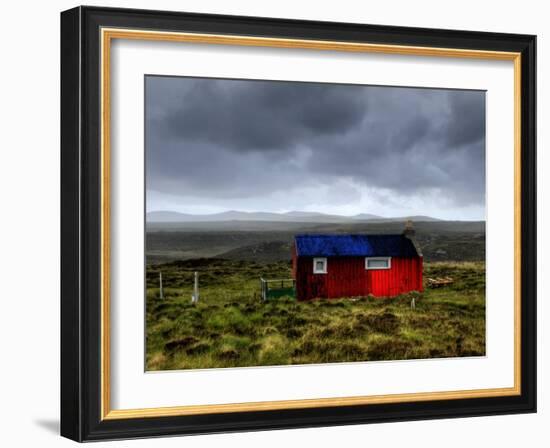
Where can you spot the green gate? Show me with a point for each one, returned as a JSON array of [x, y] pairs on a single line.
[[274, 289]]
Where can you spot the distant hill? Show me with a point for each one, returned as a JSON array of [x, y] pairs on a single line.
[[366, 216], [293, 216], [414, 218]]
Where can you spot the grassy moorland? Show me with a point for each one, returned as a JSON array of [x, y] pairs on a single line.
[[268, 242], [231, 327]]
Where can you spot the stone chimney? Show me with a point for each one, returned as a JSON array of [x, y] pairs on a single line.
[[410, 233]]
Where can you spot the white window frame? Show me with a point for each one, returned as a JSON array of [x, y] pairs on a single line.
[[367, 259], [325, 263]]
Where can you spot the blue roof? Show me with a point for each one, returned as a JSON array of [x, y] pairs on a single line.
[[354, 246]]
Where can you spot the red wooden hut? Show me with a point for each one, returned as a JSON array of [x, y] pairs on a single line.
[[331, 266]]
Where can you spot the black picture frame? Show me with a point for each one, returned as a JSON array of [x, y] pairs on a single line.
[[81, 224]]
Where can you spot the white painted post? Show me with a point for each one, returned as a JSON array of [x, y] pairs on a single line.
[[263, 288], [195, 296], [160, 283], [413, 304]]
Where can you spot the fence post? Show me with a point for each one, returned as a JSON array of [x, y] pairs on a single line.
[[195, 296], [262, 289], [160, 285]]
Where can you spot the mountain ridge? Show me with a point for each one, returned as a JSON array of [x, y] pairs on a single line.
[[166, 216]]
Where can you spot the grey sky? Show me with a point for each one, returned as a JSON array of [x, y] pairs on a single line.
[[216, 145]]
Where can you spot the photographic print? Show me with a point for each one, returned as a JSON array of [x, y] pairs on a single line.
[[306, 223]]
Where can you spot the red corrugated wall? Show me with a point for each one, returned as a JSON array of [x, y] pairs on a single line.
[[294, 261], [347, 277]]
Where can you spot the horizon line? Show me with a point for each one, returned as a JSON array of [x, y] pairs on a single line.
[[375, 216]]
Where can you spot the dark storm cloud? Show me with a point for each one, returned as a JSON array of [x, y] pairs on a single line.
[[258, 116], [237, 139], [466, 123]]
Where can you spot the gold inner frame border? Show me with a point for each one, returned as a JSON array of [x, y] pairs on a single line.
[[107, 35]]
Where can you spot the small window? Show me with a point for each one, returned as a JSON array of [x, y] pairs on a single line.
[[378, 263], [319, 265]]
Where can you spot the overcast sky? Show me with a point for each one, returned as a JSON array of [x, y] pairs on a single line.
[[216, 145]]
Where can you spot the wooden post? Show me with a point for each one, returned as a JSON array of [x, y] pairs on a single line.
[[263, 289], [195, 296], [160, 286]]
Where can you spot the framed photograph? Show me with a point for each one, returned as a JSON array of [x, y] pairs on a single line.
[[277, 224]]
